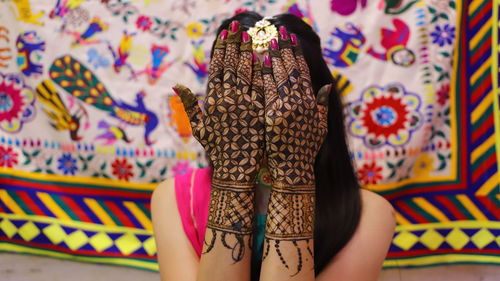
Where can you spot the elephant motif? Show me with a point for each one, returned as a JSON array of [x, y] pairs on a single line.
[[345, 46]]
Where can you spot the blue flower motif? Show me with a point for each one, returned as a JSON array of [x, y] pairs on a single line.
[[443, 35], [67, 164], [385, 116]]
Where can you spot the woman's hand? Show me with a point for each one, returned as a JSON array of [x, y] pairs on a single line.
[[296, 120], [231, 130], [296, 125]]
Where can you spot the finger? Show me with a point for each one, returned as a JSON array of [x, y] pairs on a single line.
[[257, 94], [244, 71], [288, 57], [304, 76], [322, 103], [231, 58], [214, 84], [190, 103], [256, 126], [270, 89], [279, 72]]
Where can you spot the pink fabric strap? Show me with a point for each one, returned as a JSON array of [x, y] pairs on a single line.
[[192, 192]]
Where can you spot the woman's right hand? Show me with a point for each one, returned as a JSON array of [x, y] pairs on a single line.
[[232, 127]]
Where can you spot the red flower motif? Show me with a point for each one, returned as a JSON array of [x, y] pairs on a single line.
[[8, 157], [443, 94], [370, 173], [122, 169], [378, 123], [143, 23]]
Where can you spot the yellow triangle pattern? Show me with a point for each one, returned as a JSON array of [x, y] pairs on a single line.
[[127, 243]]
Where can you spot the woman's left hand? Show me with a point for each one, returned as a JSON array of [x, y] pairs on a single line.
[[296, 120]]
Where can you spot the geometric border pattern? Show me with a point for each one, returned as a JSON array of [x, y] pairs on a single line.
[[80, 241], [457, 222], [442, 222]]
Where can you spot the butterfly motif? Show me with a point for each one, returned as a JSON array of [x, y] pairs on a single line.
[[97, 60]]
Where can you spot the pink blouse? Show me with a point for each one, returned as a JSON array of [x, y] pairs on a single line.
[[192, 192]]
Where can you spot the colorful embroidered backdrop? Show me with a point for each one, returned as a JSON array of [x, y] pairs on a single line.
[[89, 125]]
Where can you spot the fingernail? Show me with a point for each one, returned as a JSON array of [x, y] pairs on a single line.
[[223, 35], [234, 26], [294, 40], [254, 57], [267, 61], [274, 44], [175, 91], [283, 33], [244, 37]]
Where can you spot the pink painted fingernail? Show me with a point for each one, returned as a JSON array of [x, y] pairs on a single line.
[[267, 61], [283, 33], [244, 37], [274, 44], [294, 40], [223, 34], [254, 57], [234, 26], [175, 91]]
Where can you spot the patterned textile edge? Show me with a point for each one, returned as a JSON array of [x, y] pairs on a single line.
[[92, 223], [458, 221], [496, 72], [77, 241]]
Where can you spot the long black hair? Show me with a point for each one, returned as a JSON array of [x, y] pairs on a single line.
[[338, 201]]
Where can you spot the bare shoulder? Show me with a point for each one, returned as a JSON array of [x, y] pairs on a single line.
[[368, 246], [177, 259], [377, 205]]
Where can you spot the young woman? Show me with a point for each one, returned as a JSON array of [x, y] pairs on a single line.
[[276, 142]]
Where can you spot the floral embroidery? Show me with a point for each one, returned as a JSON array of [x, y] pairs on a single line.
[[67, 164], [443, 35], [8, 157], [143, 23], [370, 173], [16, 103], [122, 169], [194, 30], [181, 168], [385, 116], [443, 94], [423, 165]]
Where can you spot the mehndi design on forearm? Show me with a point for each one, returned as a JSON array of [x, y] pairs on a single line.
[[295, 129], [232, 133]]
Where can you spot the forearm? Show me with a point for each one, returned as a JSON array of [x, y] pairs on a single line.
[[226, 252], [289, 244]]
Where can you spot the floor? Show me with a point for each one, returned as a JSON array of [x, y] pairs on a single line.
[[14, 267]]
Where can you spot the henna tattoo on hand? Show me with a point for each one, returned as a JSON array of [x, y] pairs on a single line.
[[232, 134], [296, 125]]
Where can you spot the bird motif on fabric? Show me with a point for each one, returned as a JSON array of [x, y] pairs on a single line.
[[111, 133], [87, 37], [63, 7], [80, 82], [122, 53], [394, 42], [157, 66], [200, 65], [58, 112]]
